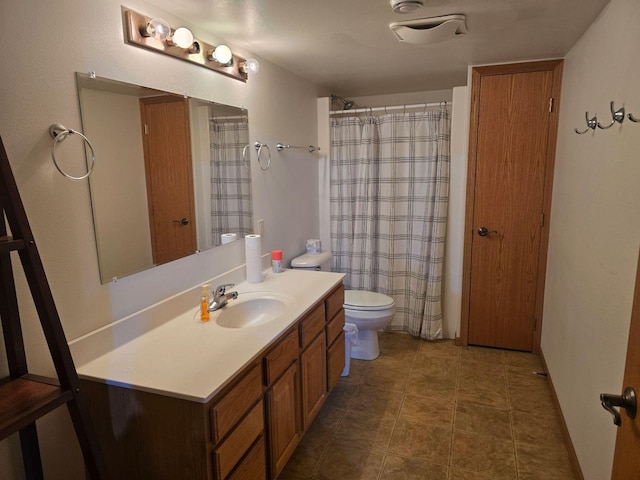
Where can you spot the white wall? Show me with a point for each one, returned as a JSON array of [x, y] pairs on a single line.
[[55, 40], [454, 247], [594, 233]]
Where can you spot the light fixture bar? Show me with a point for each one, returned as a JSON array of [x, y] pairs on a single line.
[[136, 24]]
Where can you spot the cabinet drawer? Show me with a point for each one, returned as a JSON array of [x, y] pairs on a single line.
[[283, 355], [335, 361], [238, 442], [335, 326], [254, 465], [311, 326], [226, 413], [334, 302]]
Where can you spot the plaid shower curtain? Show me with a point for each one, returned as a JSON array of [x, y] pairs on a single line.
[[231, 210], [388, 208]]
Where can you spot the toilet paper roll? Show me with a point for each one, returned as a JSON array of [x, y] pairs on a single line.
[[228, 238], [314, 246], [253, 258]]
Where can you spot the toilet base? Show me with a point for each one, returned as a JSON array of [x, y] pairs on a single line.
[[368, 347]]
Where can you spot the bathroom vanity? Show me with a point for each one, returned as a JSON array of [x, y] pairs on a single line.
[[178, 398]]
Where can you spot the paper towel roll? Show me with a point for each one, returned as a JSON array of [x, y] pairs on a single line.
[[253, 254], [314, 246], [228, 238]]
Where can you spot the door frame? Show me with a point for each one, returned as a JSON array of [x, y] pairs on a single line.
[[555, 66], [627, 436]]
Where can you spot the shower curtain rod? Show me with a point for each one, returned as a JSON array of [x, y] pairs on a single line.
[[229, 117], [393, 107]]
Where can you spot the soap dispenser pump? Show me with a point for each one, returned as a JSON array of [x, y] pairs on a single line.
[[204, 304]]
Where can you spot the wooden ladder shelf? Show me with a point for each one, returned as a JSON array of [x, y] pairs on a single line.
[[25, 397]]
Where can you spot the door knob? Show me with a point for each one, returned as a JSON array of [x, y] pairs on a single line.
[[626, 401], [184, 221], [484, 231]]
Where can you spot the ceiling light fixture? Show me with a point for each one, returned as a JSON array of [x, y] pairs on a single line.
[[406, 6], [156, 34]]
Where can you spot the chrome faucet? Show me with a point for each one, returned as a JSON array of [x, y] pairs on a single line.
[[220, 297]]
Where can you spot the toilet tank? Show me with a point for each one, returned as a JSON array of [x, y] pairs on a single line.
[[318, 261]]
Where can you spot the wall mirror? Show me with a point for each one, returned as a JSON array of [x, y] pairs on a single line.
[[172, 174]]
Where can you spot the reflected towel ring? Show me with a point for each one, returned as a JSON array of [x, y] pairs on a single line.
[[244, 155], [59, 133], [259, 146]]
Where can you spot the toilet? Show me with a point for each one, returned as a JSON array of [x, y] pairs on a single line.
[[370, 311]]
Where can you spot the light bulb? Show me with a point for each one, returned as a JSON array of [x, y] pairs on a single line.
[[158, 28], [221, 54], [250, 66], [182, 38]]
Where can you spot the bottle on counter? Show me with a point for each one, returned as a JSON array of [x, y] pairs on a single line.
[[276, 261], [204, 304]]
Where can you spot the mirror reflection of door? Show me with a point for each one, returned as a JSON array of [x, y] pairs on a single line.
[[167, 157]]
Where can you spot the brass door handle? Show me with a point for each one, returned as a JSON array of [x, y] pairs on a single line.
[[626, 401], [184, 221]]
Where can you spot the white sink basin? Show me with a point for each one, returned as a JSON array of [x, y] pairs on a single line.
[[252, 309]]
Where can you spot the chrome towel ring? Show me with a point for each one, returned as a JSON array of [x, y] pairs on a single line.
[[259, 146], [59, 133]]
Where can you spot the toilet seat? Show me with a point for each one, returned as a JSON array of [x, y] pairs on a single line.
[[362, 300]]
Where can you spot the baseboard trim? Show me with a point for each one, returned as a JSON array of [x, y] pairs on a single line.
[[573, 458]]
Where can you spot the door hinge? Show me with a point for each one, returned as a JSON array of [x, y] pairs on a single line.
[[551, 105], [535, 323], [542, 220], [146, 129]]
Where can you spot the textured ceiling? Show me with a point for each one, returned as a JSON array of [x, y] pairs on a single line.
[[347, 47]]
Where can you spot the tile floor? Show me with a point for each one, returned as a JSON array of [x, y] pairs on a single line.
[[434, 411]]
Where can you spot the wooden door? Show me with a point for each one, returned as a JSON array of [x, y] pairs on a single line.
[[512, 145], [167, 156], [626, 460], [283, 407], [313, 364]]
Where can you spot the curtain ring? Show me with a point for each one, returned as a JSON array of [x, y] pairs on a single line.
[[259, 146], [59, 133]]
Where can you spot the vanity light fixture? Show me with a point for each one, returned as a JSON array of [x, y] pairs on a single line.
[[221, 54], [156, 34], [182, 38], [250, 66], [156, 28]]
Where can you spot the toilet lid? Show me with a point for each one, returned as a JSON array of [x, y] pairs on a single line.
[[363, 300]]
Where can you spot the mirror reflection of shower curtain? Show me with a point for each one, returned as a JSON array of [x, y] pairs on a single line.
[[389, 198], [230, 180]]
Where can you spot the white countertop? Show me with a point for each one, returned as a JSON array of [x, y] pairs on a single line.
[[184, 357]]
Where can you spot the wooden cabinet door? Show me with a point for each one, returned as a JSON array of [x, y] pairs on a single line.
[[283, 419], [313, 363], [512, 142], [335, 361]]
